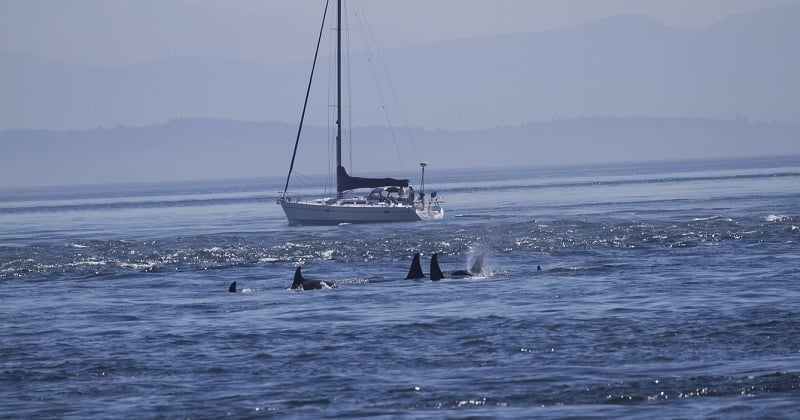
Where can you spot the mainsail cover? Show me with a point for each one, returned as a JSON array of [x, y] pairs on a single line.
[[345, 182]]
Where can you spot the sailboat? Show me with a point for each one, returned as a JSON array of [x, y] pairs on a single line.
[[357, 199]]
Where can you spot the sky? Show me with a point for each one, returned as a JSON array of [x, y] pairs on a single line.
[[124, 32]]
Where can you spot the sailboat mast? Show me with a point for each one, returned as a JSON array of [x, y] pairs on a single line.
[[338, 86]]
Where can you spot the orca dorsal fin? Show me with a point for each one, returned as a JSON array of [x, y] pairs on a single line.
[[436, 272], [298, 279], [232, 288], [415, 272]]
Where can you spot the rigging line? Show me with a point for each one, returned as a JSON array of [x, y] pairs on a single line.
[[339, 191], [331, 140], [305, 102], [368, 52], [348, 63], [391, 86]]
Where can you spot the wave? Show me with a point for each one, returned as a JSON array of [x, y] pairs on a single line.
[[779, 218], [533, 184], [483, 216], [526, 242], [131, 203], [713, 219]]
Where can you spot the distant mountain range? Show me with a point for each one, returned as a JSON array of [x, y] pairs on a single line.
[[619, 67], [189, 149]]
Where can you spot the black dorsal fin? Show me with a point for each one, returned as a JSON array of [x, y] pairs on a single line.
[[232, 288], [298, 279], [415, 272], [436, 272]]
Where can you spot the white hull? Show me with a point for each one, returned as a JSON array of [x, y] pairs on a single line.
[[333, 212]]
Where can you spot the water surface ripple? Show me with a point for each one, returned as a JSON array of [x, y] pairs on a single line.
[[669, 287]]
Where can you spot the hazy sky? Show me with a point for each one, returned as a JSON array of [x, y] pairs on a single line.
[[271, 32], [118, 32]]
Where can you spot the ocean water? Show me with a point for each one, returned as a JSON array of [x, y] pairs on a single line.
[[667, 290]]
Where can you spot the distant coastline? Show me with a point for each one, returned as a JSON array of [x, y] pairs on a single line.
[[188, 149]]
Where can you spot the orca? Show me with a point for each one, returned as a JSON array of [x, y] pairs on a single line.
[[301, 283], [475, 270], [415, 272], [234, 289], [436, 272]]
